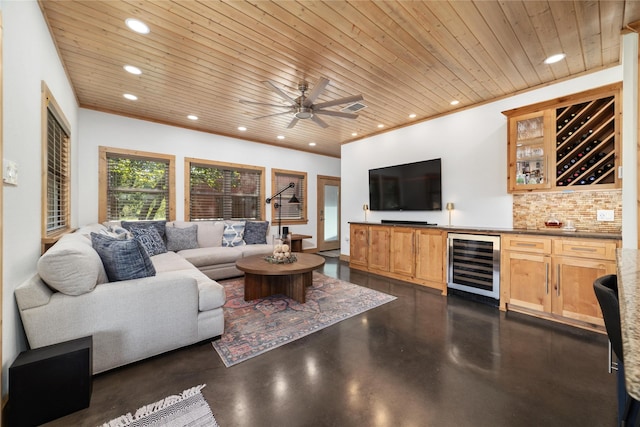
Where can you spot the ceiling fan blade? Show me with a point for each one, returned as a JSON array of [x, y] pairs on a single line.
[[345, 100], [317, 89], [319, 121], [271, 115], [336, 114], [279, 92], [244, 101], [293, 122]]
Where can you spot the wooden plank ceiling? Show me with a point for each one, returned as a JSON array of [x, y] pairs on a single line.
[[404, 57]]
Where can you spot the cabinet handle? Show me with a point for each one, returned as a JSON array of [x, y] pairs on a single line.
[[558, 281], [529, 245], [583, 249], [546, 278]]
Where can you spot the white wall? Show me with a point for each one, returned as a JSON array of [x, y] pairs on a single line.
[[29, 57], [473, 148], [109, 130]]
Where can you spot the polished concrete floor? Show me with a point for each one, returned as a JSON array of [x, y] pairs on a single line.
[[421, 360]]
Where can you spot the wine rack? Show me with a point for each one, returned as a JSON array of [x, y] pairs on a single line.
[[585, 143]]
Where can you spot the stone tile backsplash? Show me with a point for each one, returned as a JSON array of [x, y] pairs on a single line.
[[531, 210]]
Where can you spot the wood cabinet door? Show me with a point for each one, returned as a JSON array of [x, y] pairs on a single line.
[[573, 288], [379, 237], [529, 279], [402, 249], [430, 255], [359, 245]]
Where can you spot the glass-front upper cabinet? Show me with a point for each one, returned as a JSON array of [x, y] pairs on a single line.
[[529, 151]]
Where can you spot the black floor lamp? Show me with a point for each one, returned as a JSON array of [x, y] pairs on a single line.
[[278, 204]]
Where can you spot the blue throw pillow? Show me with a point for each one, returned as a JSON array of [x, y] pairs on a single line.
[[150, 239], [232, 234], [123, 259], [255, 232], [158, 225]]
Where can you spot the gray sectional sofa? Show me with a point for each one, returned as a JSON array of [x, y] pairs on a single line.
[[179, 304]]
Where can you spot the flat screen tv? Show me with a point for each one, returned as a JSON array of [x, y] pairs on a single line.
[[408, 187]]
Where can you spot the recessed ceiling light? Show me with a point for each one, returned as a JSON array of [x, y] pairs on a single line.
[[454, 102], [313, 144], [354, 134], [242, 128], [280, 137], [412, 116], [133, 70], [192, 117], [130, 97], [555, 58], [137, 25], [380, 125]]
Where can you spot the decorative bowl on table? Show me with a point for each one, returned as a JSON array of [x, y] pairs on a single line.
[[281, 255]]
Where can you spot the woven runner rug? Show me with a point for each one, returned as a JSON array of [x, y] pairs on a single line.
[[185, 409], [257, 326]]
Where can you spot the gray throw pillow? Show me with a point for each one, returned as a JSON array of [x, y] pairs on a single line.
[[150, 239], [122, 259], [179, 239], [255, 232]]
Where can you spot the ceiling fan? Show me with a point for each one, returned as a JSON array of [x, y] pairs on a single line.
[[303, 108]]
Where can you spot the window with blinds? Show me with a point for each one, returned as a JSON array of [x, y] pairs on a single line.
[[224, 191], [57, 215], [290, 213], [138, 187]]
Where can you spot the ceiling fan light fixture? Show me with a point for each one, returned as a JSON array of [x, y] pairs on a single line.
[[303, 113]]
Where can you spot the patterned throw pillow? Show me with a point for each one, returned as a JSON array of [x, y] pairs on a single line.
[[182, 238], [233, 232], [122, 259], [255, 232], [150, 239], [158, 225]]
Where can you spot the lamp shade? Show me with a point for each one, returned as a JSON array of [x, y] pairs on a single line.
[[294, 200], [449, 206]]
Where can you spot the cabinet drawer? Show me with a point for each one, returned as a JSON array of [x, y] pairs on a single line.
[[596, 249], [531, 244]]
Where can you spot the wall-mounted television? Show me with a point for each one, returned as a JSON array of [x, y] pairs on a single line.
[[409, 187]]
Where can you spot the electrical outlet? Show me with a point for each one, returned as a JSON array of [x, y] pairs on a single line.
[[604, 215]]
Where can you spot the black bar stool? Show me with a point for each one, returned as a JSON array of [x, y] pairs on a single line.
[[606, 289]]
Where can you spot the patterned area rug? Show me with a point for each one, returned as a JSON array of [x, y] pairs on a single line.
[[185, 409], [255, 327]]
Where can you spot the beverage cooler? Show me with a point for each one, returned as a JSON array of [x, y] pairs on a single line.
[[474, 264]]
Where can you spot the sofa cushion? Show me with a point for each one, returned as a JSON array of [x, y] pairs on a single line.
[[255, 232], [250, 250], [233, 232], [211, 256], [123, 259], [150, 239], [72, 266], [182, 238]]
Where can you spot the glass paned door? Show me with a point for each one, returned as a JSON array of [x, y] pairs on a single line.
[[328, 213]]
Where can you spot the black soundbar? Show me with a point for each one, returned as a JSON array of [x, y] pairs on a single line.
[[393, 221]]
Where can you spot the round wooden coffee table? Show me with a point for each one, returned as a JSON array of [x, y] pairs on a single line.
[[261, 278]]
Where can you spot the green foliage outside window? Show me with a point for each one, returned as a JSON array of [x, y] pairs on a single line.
[[138, 189]]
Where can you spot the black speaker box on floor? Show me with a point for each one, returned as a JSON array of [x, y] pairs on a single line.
[[50, 382]]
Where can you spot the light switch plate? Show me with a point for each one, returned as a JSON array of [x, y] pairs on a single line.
[[604, 215], [9, 172]]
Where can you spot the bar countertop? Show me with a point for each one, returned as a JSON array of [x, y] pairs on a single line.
[[550, 232], [629, 296]]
